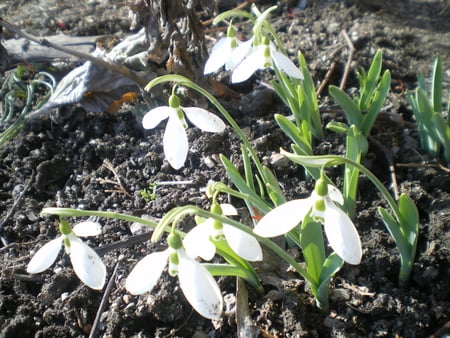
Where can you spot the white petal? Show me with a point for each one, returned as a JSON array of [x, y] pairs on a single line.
[[155, 116], [341, 234], [335, 194], [242, 243], [238, 54], [283, 218], [219, 55], [199, 287], [286, 65], [197, 243], [87, 228], [146, 273], [45, 256], [87, 264], [246, 68], [204, 119], [228, 209], [175, 142]]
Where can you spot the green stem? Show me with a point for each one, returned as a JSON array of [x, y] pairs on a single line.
[[69, 212]]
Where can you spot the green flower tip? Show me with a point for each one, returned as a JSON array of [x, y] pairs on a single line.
[[174, 241], [231, 33], [64, 227], [174, 101], [319, 205], [216, 208], [321, 187], [173, 264]]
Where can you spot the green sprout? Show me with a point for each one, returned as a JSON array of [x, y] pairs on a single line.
[[20, 93], [149, 194], [432, 122], [361, 113]]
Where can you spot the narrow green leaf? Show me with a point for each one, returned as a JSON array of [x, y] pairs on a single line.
[[396, 232], [378, 101], [248, 172], [291, 130], [273, 187], [333, 263], [313, 248], [436, 84], [372, 79], [409, 217], [349, 107]]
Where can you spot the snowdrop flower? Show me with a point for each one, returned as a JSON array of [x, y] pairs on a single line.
[[197, 284], [228, 51], [198, 241], [86, 263], [175, 140], [340, 230], [264, 55]]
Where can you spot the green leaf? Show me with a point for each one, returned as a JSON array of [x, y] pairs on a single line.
[[337, 127], [349, 107], [378, 101], [409, 218], [273, 187], [248, 172], [372, 79], [331, 266], [436, 86], [313, 248], [396, 232], [242, 186], [292, 131]]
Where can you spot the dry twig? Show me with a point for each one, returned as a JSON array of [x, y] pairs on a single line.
[[118, 182], [349, 59]]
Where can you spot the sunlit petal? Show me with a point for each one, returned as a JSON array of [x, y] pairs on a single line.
[[155, 116], [204, 119], [228, 209], [246, 68], [341, 234], [335, 194], [238, 54], [242, 243], [147, 272], [87, 228], [45, 256], [283, 218], [286, 65], [175, 142], [197, 242], [199, 287], [219, 55], [87, 264]]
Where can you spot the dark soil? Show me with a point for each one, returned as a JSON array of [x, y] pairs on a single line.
[[65, 164]]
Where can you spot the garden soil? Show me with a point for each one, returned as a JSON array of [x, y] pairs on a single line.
[[101, 161]]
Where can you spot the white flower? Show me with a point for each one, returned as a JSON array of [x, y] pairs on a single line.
[[198, 241], [197, 284], [228, 51], [339, 228], [86, 263], [175, 140], [264, 56]]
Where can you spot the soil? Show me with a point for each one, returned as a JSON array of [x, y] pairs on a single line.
[[65, 163]]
